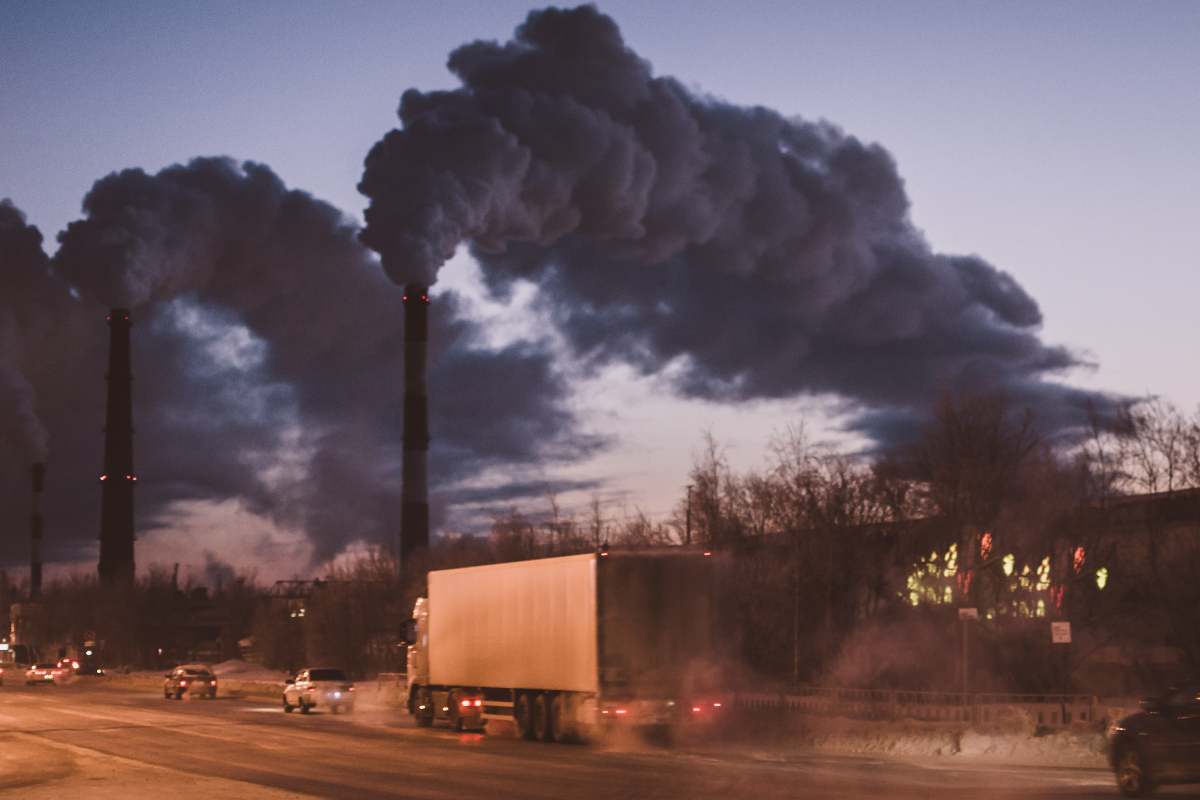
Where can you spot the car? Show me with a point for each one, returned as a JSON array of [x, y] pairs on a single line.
[[67, 667], [41, 673], [321, 687], [195, 679], [1159, 745]]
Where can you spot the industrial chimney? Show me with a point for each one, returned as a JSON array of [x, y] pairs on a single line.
[[118, 478], [38, 473], [414, 508]]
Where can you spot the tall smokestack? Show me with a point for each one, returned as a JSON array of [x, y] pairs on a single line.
[[116, 493], [38, 473], [414, 509]]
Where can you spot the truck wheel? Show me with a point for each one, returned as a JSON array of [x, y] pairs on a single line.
[[287, 707], [543, 727], [423, 717], [1133, 779], [564, 729], [523, 713], [453, 716], [304, 707]]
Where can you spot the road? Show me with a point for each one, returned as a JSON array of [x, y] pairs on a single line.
[[113, 742]]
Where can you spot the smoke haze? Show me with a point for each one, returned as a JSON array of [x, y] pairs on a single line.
[[760, 256], [267, 352]]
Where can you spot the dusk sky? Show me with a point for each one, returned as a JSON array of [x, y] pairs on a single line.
[[1057, 142]]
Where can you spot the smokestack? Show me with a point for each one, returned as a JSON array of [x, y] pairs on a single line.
[[414, 509], [116, 492], [38, 473]]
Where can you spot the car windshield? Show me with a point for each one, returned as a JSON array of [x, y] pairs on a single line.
[[199, 672], [326, 675]]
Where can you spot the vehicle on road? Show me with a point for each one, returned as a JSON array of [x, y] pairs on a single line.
[[319, 687], [568, 647], [42, 673], [191, 679], [1159, 745]]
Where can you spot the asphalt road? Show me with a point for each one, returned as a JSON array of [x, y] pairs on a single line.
[[114, 742]]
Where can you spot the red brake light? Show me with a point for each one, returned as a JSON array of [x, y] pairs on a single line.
[[478, 703], [466, 703], [183, 683], [351, 689], [621, 711], [716, 705], [695, 709]]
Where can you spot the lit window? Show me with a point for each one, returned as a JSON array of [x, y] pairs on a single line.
[[1009, 564], [1101, 577]]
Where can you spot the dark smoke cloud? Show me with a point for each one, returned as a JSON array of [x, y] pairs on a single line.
[[761, 256], [267, 361], [23, 272]]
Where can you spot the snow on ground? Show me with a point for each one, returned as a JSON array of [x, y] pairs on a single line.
[[244, 671], [1081, 746], [39, 768]]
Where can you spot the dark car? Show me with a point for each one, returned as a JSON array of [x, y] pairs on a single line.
[[193, 679], [1159, 745]]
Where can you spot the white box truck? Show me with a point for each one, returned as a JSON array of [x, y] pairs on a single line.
[[564, 646]]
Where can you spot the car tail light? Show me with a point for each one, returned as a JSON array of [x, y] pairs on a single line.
[[716, 705], [212, 683], [349, 688], [478, 703], [312, 690], [183, 683], [622, 711], [695, 709], [466, 704]]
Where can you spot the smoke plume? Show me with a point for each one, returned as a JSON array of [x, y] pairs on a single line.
[[758, 255], [266, 350], [23, 268]]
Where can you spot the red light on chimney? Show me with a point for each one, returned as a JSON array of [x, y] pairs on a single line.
[[404, 298], [131, 477], [424, 298], [103, 477]]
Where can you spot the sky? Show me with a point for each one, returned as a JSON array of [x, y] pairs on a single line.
[[1057, 142]]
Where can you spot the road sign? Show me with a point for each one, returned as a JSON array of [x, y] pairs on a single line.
[[968, 613], [1060, 632]]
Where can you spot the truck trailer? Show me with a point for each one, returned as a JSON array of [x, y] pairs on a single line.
[[565, 647]]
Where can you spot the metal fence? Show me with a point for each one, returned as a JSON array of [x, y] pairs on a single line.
[[885, 704]]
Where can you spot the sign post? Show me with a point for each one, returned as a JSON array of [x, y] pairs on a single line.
[[965, 615]]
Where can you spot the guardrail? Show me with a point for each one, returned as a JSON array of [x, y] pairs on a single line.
[[887, 704]]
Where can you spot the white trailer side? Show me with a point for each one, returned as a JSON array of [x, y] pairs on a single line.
[[526, 624]]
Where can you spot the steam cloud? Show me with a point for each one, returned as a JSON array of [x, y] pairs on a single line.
[[761, 256], [267, 349]]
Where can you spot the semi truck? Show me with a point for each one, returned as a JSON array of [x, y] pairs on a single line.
[[565, 647]]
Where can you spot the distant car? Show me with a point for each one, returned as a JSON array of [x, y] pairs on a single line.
[[319, 688], [67, 667], [1160, 745], [196, 679], [41, 673]]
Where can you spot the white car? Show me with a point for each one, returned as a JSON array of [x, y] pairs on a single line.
[[319, 688]]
